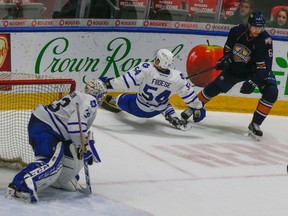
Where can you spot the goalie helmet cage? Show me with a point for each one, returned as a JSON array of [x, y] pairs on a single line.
[[20, 93]]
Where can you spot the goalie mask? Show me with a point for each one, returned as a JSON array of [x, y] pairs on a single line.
[[97, 89], [164, 59]]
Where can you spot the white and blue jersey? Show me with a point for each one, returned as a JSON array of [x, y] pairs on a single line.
[[155, 88], [59, 122]]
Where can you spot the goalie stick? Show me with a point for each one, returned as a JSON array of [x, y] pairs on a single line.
[[87, 190]]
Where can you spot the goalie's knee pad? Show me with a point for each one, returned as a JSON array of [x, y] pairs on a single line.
[[40, 174]]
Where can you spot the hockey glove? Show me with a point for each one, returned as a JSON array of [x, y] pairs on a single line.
[[224, 62], [106, 81], [248, 87], [91, 155], [199, 114], [176, 122]]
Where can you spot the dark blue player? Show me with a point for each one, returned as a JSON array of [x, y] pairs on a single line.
[[248, 55]]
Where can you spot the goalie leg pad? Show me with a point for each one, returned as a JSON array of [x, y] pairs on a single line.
[[39, 175], [71, 167], [71, 185]]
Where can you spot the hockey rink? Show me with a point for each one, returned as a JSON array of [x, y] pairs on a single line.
[[150, 168]]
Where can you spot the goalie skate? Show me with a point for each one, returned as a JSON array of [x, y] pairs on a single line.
[[13, 193]]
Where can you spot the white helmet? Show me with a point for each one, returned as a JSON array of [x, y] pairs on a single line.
[[97, 89], [165, 57]]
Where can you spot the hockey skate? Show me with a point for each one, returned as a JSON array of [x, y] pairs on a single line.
[[13, 193], [187, 113], [180, 124], [109, 103], [255, 131]]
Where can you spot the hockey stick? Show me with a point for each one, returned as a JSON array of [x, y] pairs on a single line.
[[201, 72], [88, 189]]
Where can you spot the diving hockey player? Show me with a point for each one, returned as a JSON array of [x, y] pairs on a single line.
[[54, 135], [156, 83]]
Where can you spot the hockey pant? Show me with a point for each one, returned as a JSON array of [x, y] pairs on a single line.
[[127, 102], [223, 83], [42, 138]]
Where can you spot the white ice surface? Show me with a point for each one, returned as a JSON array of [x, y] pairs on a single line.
[[150, 168]]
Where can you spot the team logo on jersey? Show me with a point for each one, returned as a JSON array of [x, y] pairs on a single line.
[[241, 53], [93, 103], [145, 65]]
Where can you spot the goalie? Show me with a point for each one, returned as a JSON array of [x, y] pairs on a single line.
[[55, 136], [156, 83]]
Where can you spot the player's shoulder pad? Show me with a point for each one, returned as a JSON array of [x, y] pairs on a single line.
[[77, 93], [177, 74], [265, 38], [265, 35], [87, 99], [238, 30]]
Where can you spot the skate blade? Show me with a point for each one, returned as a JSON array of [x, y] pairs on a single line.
[[184, 128], [250, 133]]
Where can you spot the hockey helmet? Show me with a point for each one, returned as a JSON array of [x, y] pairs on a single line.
[[97, 89], [165, 58], [256, 19]]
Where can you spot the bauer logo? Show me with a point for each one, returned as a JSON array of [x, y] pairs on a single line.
[[5, 60]]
